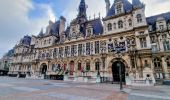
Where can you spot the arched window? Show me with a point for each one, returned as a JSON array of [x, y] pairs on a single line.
[[130, 22], [157, 63], [120, 24], [97, 65], [109, 27], [139, 18], [168, 62]]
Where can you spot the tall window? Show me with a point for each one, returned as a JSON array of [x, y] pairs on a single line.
[[157, 63], [88, 48], [87, 66], [153, 39], [130, 22], [79, 67], [143, 42], [109, 27], [61, 52], [67, 51], [97, 65], [55, 53], [72, 50], [120, 24], [80, 50], [97, 47], [119, 8], [166, 45], [168, 62], [139, 18]]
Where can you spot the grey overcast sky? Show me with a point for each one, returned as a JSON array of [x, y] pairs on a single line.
[[27, 17]]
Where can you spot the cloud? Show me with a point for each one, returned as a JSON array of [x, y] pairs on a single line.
[[15, 21], [94, 8]]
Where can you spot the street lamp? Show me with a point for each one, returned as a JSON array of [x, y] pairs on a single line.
[[103, 61], [119, 50]]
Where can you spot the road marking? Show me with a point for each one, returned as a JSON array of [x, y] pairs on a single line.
[[150, 96], [28, 89]]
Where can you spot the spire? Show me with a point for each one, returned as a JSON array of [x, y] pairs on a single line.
[[82, 9], [107, 5]]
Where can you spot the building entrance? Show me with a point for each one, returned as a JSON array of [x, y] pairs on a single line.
[[115, 71]]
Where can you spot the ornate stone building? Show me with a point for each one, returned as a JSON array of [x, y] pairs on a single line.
[[89, 49]]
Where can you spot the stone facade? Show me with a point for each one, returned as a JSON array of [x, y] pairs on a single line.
[[88, 49]]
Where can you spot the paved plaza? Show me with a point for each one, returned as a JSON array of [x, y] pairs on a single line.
[[29, 89]]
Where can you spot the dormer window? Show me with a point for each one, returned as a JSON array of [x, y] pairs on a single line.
[[73, 35], [119, 8], [89, 32], [109, 27], [139, 18], [120, 24], [161, 27]]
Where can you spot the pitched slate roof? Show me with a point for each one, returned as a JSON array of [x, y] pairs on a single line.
[[97, 26], [152, 19], [26, 40]]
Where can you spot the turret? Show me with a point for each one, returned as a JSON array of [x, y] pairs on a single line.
[[107, 6], [82, 12]]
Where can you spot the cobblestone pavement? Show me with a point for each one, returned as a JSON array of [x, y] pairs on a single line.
[[29, 89]]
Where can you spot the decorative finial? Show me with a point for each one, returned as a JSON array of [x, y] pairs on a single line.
[[99, 14], [94, 16]]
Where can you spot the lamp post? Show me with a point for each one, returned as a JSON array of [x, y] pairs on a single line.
[[103, 61], [118, 51]]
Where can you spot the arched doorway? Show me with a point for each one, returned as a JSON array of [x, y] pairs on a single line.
[[115, 71], [71, 67], [43, 69]]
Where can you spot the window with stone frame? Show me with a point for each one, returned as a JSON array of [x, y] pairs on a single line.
[[110, 47], [103, 46], [133, 62], [143, 42], [157, 63], [88, 66], [55, 53], [97, 65], [91, 47], [97, 47], [61, 51], [166, 45], [79, 66], [72, 50], [119, 8], [161, 27], [139, 18], [153, 39], [75, 50], [88, 48], [109, 27], [130, 22], [154, 48], [146, 64], [66, 51], [168, 62], [164, 36], [73, 36], [80, 49], [120, 24]]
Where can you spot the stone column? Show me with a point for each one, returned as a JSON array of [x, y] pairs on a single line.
[[165, 69]]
